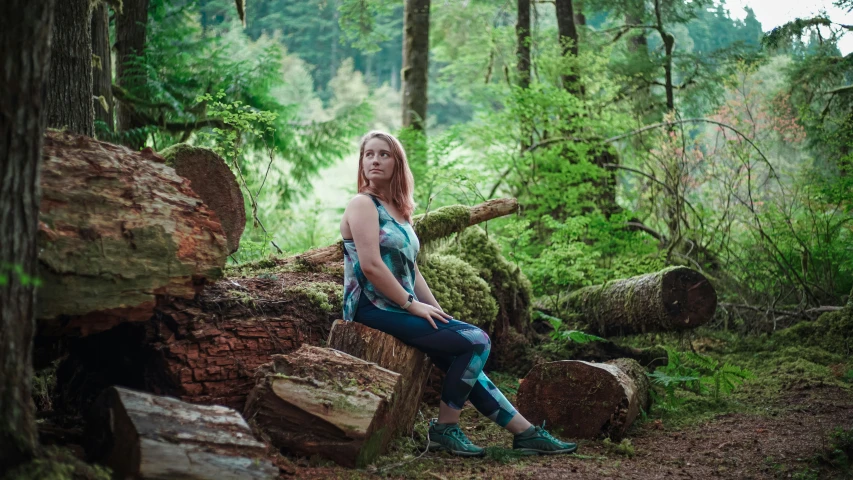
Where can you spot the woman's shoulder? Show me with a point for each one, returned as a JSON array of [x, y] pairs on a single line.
[[361, 204]]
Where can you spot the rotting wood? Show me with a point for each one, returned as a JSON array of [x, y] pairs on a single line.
[[139, 435]]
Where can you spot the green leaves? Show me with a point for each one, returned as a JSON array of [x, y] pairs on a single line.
[[558, 334], [8, 272], [698, 374]]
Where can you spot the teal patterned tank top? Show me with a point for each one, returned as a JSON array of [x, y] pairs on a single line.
[[398, 247]]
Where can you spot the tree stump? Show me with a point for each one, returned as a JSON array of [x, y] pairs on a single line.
[[387, 352], [319, 401], [585, 400], [139, 435], [676, 298], [215, 183]]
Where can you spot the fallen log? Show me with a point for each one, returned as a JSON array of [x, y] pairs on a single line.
[[215, 183], [319, 401], [434, 225], [585, 400], [675, 298], [117, 230], [139, 435], [390, 353]]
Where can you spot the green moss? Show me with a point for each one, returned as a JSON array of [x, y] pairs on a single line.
[[832, 331], [182, 148], [459, 289], [327, 296], [625, 447], [441, 223], [372, 448], [58, 464]]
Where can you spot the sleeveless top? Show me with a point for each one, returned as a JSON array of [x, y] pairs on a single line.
[[398, 248]]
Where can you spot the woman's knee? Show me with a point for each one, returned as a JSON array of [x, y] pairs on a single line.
[[481, 344]]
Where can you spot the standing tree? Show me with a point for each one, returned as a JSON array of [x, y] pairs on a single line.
[[130, 45], [102, 68], [69, 86], [415, 63], [25, 29]]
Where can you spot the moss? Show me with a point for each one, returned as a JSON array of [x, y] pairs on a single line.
[[372, 448], [832, 331], [625, 447], [180, 149], [327, 296], [441, 223], [57, 464], [459, 289]]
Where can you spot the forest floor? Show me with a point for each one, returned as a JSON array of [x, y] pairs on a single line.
[[793, 420]]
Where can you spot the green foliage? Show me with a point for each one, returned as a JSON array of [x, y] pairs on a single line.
[[8, 271], [560, 334], [459, 289], [840, 452], [698, 374], [624, 448]]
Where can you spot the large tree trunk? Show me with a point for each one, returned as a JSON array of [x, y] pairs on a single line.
[[118, 230], [139, 435], [569, 39], [585, 400], [318, 401], [131, 26], [415, 63], [102, 71], [676, 298], [387, 352], [69, 90], [25, 28]]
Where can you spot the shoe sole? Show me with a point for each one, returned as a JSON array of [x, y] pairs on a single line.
[[437, 447], [533, 451]]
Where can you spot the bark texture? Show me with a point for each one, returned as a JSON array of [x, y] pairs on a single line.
[[569, 39], [139, 435], [25, 28], [676, 298], [130, 45], [215, 183], [415, 63], [69, 89], [585, 400], [117, 230], [319, 401], [522, 33], [102, 67], [390, 353]]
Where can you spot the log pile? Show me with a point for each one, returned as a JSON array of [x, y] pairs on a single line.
[[319, 401], [139, 435], [117, 230], [583, 399], [392, 354]]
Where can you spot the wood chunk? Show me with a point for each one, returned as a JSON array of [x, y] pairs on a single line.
[[585, 400], [319, 401], [213, 181], [139, 435], [388, 352]]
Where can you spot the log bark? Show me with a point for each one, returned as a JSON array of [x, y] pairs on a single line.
[[25, 28], [390, 353], [585, 400], [69, 90], [117, 230], [139, 435], [676, 298], [439, 224], [319, 401], [215, 183]]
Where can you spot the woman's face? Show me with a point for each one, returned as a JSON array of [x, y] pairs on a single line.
[[378, 161]]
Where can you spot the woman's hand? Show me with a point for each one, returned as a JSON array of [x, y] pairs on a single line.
[[428, 312]]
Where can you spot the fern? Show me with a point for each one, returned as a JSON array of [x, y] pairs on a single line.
[[558, 334], [698, 374]]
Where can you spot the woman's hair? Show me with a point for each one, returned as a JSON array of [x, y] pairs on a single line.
[[402, 181]]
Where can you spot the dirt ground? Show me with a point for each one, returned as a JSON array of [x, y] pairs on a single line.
[[788, 439]]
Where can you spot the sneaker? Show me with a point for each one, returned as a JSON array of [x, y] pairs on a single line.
[[536, 440], [450, 437]]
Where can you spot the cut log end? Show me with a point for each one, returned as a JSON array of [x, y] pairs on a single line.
[[688, 297]]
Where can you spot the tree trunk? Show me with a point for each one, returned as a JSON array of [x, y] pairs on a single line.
[[102, 71], [139, 435], [25, 28], [522, 32], [117, 230], [387, 352], [676, 298], [131, 26], [415, 63], [569, 40], [69, 89], [585, 400], [318, 401], [668, 44], [441, 223]]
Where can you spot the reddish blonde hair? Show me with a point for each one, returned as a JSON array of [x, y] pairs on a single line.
[[402, 181]]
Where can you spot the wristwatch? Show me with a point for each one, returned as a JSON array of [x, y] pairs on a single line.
[[408, 303]]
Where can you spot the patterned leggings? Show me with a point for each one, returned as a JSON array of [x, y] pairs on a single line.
[[458, 348]]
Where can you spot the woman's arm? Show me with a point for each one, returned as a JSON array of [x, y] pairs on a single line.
[[422, 290]]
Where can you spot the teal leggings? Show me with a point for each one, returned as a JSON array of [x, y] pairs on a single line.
[[457, 348]]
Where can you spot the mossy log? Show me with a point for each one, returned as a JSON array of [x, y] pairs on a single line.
[[435, 225], [387, 352], [675, 298], [117, 230], [585, 400], [139, 435], [215, 183], [319, 401]]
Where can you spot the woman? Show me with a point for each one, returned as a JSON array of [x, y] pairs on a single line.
[[383, 289]]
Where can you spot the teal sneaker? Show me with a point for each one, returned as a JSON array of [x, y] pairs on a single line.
[[536, 440], [450, 437]]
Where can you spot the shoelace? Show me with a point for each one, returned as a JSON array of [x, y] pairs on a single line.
[[458, 434], [541, 431]]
